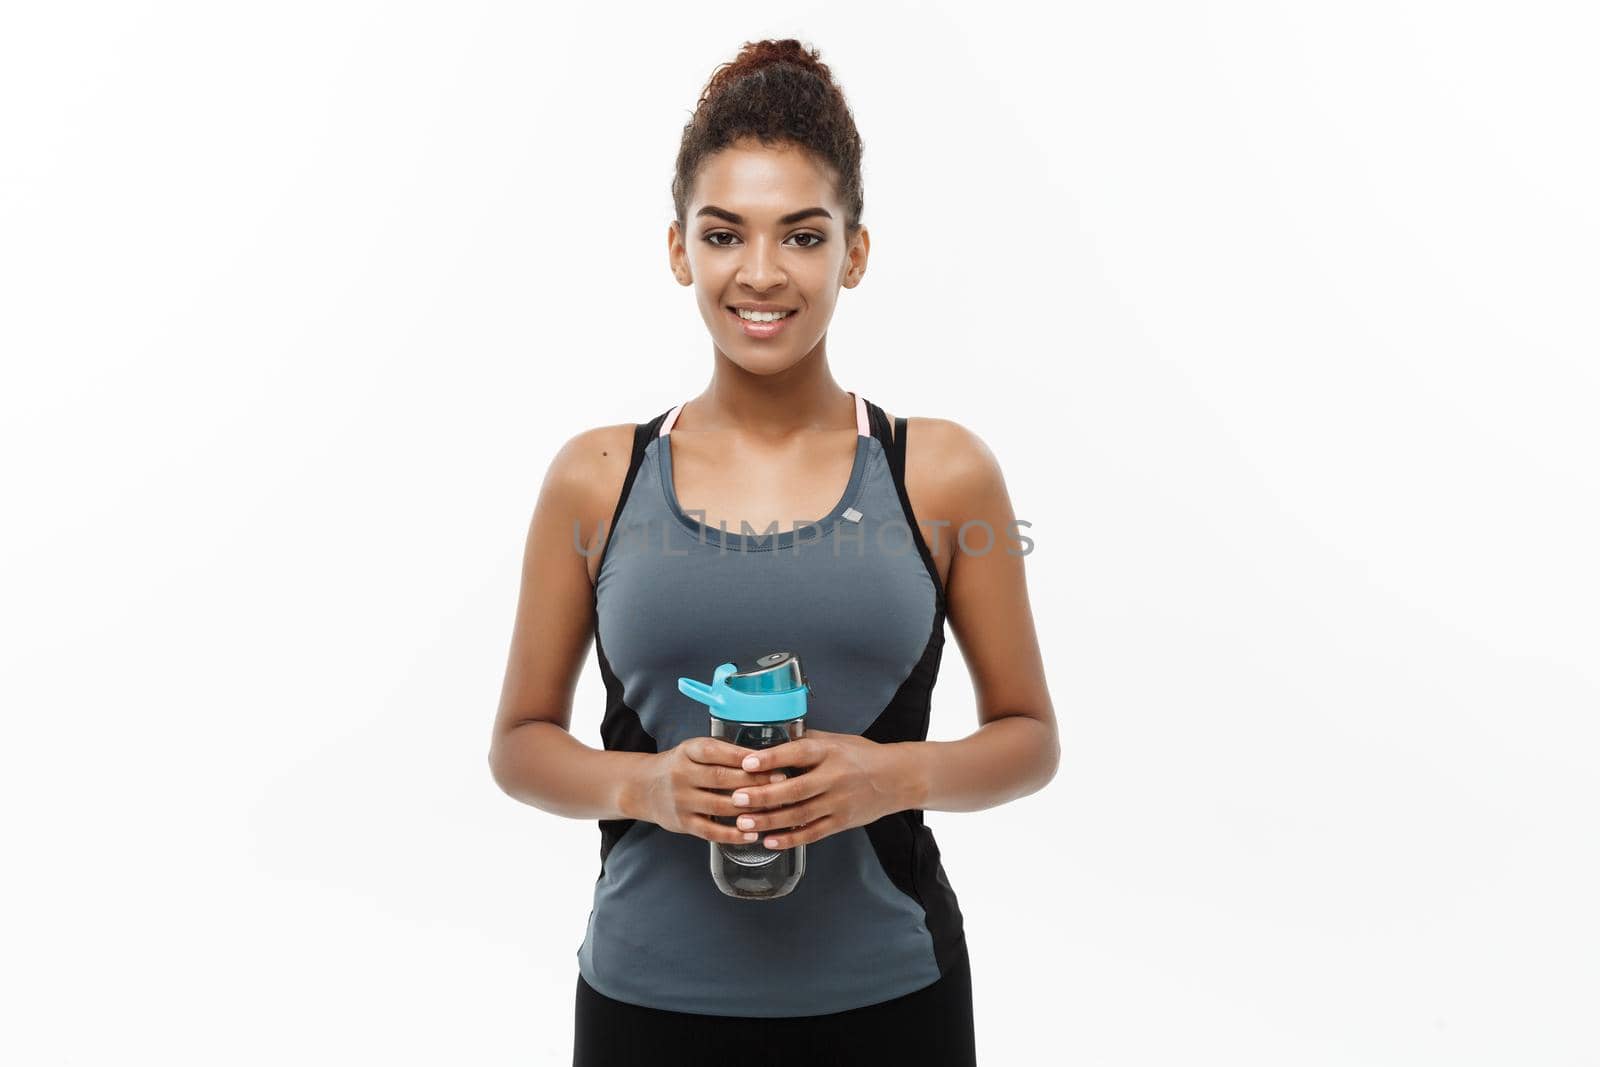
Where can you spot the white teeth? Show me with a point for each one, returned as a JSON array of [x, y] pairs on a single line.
[[762, 316]]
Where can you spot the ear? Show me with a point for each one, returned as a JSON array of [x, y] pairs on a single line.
[[855, 259], [678, 255]]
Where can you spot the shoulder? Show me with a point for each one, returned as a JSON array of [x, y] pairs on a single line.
[[949, 443], [951, 472], [584, 482], [954, 466], [589, 467]]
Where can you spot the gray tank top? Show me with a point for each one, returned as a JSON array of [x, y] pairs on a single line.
[[857, 596]]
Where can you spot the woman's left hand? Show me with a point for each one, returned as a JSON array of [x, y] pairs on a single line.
[[846, 780]]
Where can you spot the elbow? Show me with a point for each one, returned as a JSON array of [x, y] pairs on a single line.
[[497, 766], [509, 757], [501, 761], [1054, 749]]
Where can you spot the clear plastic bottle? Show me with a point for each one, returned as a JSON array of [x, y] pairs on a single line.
[[758, 708]]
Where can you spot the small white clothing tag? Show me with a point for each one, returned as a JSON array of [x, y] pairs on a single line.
[[852, 515]]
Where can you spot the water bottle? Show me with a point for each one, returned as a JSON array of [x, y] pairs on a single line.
[[758, 708]]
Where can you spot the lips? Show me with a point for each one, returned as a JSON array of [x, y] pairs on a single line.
[[762, 329]]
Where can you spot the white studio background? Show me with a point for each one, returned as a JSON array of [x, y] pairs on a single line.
[[1279, 318]]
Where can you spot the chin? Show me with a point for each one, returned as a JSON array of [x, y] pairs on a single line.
[[762, 363], [761, 367]]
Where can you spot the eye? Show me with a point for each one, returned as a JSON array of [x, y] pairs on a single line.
[[813, 239]]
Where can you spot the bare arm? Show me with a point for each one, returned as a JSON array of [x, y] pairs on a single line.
[[532, 756], [1016, 749]]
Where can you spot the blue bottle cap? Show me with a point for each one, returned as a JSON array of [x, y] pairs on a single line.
[[775, 691]]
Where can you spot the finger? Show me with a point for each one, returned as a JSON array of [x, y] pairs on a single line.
[[779, 794], [712, 830], [716, 802], [715, 751], [730, 778], [780, 818], [812, 831], [806, 752]]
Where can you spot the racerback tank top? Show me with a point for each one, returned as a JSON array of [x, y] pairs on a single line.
[[856, 595]]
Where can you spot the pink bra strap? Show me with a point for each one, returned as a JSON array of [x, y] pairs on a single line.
[[863, 427]]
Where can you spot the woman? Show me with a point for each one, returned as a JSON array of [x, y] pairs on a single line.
[[865, 961]]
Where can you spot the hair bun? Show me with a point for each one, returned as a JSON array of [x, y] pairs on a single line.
[[777, 92], [758, 54]]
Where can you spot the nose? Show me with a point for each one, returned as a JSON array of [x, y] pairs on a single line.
[[759, 269]]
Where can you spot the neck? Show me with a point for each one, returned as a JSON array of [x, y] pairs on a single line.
[[774, 406]]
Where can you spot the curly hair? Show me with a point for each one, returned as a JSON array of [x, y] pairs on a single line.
[[780, 93]]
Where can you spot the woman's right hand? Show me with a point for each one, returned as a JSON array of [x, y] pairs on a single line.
[[683, 788]]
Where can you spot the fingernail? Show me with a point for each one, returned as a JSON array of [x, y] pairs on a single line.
[[741, 798], [780, 776], [751, 837], [746, 822], [771, 842], [751, 763]]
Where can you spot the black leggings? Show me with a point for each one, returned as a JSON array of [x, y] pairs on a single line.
[[931, 1027]]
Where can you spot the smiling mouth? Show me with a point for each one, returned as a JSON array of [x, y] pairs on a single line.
[[761, 330], [741, 318]]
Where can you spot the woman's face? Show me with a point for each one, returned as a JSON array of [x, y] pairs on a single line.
[[765, 228]]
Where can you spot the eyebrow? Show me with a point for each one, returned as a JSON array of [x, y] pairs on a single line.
[[738, 220]]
